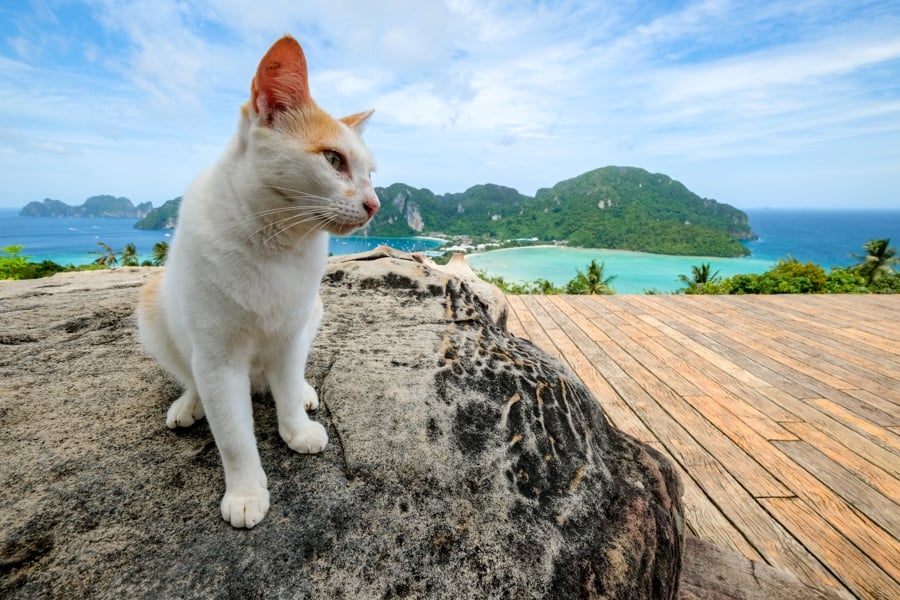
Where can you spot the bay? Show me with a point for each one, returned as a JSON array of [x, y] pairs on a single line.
[[827, 238], [74, 240]]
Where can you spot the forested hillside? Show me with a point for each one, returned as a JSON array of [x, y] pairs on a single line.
[[623, 208], [613, 207]]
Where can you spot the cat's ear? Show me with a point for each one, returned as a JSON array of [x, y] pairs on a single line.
[[281, 80], [357, 121]]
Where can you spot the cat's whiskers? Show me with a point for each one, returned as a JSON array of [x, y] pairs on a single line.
[[318, 219]]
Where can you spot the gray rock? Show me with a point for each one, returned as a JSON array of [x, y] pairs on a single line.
[[463, 462]]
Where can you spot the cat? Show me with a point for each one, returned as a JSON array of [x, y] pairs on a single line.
[[237, 307]]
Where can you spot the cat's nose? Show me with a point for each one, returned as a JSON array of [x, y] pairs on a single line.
[[371, 205]]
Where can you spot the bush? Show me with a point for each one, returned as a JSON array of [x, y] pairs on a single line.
[[14, 265], [843, 281]]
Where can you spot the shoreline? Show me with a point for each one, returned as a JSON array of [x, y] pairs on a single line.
[[608, 250]]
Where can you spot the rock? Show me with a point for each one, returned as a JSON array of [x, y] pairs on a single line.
[[712, 573], [463, 462]]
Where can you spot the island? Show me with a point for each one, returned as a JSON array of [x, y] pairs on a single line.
[[620, 208], [95, 206]]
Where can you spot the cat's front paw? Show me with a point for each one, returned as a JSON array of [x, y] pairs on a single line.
[[308, 437], [310, 397], [245, 508], [185, 411]]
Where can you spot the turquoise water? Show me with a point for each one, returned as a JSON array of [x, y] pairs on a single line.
[[823, 237], [636, 272], [827, 238], [73, 240]]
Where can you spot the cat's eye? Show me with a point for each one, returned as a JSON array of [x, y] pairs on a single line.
[[334, 159]]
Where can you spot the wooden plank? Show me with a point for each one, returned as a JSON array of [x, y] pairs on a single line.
[[864, 498], [718, 384], [852, 566], [879, 410], [871, 474], [879, 435], [633, 382], [535, 331], [775, 543], [853, 525]]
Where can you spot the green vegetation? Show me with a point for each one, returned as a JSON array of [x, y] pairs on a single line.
[[878, 262], [788, 276], [874, 274], [614, 207], [623, 208], [160, 254], [13, 265], [700, 276], [590, 281], [95, 206], [163, 217]]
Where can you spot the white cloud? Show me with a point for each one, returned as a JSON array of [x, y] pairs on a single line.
[[517, 93]]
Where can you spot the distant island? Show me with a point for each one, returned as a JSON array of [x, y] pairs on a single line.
[[95, 206], [623, 208]]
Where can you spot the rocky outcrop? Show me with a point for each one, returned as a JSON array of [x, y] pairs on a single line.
[[463, 462]]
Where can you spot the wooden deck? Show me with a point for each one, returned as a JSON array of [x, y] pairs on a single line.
[[782, 414]]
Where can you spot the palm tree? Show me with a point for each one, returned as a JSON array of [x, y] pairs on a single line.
[[107, 258], [592, 281], [699, 276], [878, 261], [130, 256], [160, 253]]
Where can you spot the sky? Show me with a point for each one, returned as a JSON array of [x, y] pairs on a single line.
[[782, 103]]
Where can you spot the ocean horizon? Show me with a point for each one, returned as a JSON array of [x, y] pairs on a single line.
[[825, 237]]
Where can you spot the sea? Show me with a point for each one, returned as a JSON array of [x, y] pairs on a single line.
[[76, 240], [826, 237]]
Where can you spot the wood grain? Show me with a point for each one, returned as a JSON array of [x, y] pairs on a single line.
[[781, 413]]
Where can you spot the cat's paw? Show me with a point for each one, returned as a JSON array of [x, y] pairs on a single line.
[[308, 437], [310, 397], [245, 508], [185, 411]]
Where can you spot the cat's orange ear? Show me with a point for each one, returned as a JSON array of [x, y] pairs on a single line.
[[357, 121], [281, 80]]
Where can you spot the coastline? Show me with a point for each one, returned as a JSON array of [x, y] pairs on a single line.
[[633, 272]]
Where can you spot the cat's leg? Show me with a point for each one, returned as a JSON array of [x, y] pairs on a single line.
[[157, 340], [310, 397], [292, 394], [225, 389]]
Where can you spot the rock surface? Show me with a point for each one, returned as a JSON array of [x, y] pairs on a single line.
[[463, 462]]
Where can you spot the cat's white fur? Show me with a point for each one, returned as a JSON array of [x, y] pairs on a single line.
[[237, 307]]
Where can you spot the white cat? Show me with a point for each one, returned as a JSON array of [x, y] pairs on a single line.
[[238, 304]]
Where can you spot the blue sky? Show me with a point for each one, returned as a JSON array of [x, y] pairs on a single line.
[[792, 103]]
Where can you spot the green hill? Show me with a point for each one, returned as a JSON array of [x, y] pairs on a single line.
[[631, 209], [623, 208], [614, 207], [95, 206], [163, 217]]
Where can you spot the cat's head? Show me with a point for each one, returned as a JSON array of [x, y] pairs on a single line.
[[315, 170]]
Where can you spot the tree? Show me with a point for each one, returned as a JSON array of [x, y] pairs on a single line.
[[878, 261], [160, 253], [700, 275], [107, 258], [591, 281], [130, 256]]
